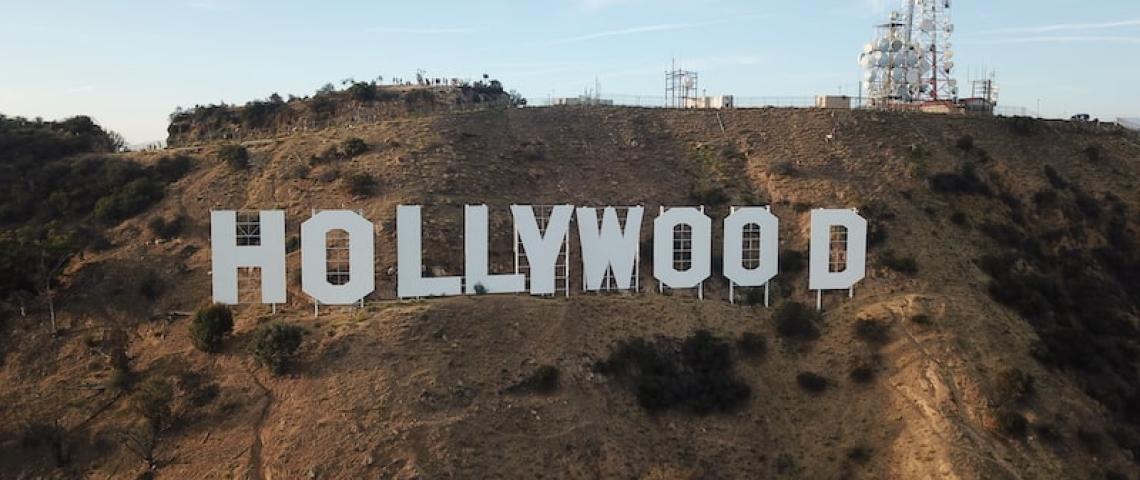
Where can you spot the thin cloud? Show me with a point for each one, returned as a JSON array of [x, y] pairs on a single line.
[[212, 5], [661, 27], [598, 4], [1064, 40], [80, 89], [422, 31], [630, 31], [1068, 27]]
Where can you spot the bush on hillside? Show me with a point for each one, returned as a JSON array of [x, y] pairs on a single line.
[[1011, 423], [1022, 126], [210, 326], [965, 143], [905, 265], [151, 285], [796, 321], [153, 401], [543, 380], [235, 156], [792, 261], [1092, 153], [274, 346], [695, 375], [353, 147], [963, 182], [752, 345], [872, 331], [50, 435], [173, 168], [163, 228], [812, 382], [361, 184], [1012, 386], [862, 373], [132, 199]]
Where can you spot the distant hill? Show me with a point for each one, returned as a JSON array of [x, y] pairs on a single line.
[[360, 103], [995, 335]]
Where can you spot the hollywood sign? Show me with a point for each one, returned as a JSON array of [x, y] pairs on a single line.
[[609, 250]]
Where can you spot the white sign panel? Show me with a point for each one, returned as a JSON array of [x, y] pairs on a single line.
[[837, 260]]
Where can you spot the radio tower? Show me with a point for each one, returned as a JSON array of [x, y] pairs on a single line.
[[932, 23], [911, 60]]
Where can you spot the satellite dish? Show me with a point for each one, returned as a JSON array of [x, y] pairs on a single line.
[[949, 54], [868, 48], [898, 75], [689, 81], [927, 25], [871, 76], [896, 45], [912, 76], [949, 65]]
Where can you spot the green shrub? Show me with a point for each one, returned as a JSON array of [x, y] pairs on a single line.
[[1022, 126], [361, 184], [812, 382], [860, 454], [274, 346], [752, 345], [210, 326], [163, 228], [752, 296], [965, 143], [353, 147], [785, 169], [1013, 386], [906, 265], [236, 156], [696, 375], [922, 319], [130, 200], [959, 218], [151, 285], [872, 331], [153, 400], [794, 320], [1092, 153], [1012, 423], [1046, 199], [362, 91], [792, 261], [708, 195], [173, 168], [50, 435], [543, 381], [862, 373], [963, 182]]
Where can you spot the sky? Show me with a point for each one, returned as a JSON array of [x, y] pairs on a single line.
[[129, 64]]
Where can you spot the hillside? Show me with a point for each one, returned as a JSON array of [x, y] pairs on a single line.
[[1023, 234]]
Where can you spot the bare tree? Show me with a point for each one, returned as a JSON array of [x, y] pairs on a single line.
[[48, 269], [141, 440]]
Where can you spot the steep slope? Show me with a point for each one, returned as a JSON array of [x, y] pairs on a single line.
[[422, 389]]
